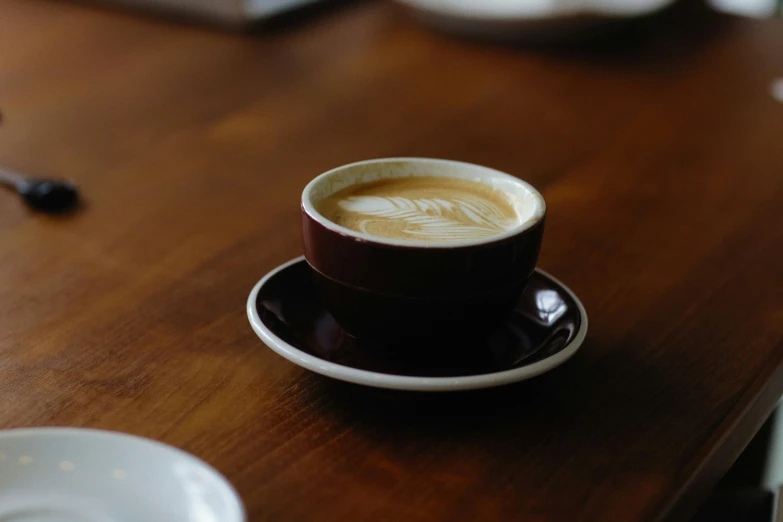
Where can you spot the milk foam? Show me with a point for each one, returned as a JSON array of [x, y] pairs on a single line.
[[426, 209]]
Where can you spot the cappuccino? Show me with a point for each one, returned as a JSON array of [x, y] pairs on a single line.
[[422, 208]]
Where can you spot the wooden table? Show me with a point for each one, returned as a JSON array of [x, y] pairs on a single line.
[[661, 160]]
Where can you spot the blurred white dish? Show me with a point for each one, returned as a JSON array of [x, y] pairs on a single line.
[[232, 12], [79, 475], [752, 8], [517, 9], [527, 18]]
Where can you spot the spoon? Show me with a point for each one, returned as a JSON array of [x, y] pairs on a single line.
[[44, 195]]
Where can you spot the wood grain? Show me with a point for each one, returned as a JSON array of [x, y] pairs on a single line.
[[659, 154]]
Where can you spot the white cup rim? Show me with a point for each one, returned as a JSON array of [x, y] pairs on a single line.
[[487, 173]]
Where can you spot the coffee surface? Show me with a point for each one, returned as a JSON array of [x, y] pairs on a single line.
[[423, 208]]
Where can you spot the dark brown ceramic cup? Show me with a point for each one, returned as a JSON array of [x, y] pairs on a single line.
[[394, 290]]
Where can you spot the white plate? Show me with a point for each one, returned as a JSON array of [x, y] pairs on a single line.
[[538, 9], [80, 475], [529, 19]]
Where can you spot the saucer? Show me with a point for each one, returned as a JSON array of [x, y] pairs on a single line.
[[533, 21], [81, 475], [546, 329]]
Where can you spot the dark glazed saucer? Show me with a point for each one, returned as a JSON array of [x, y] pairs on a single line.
[[546, 328]]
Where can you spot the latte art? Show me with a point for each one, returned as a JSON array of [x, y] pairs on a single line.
[[422, 208], [437, 218]]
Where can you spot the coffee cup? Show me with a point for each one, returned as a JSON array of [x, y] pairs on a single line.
[[407, 249]]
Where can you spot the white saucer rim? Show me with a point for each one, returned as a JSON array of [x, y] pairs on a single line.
[[236, 508], [406, 382], [552, 15]]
